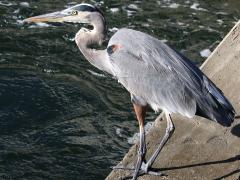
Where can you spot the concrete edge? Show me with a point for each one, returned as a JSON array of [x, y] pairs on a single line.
[[219, 45]]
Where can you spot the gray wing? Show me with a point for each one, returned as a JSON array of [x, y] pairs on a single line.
[[165, 79]]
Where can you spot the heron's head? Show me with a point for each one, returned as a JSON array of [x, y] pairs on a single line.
[[81, 13]]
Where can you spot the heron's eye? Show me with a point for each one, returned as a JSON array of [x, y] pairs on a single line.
[[74, 12]]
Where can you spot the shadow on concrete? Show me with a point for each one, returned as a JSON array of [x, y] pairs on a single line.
[[232, 159], [236, 130], [229, 174]]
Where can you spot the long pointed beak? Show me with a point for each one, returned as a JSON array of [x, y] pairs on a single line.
[[51, 17]]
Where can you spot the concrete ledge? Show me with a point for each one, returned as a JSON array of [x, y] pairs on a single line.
[[199, 148]]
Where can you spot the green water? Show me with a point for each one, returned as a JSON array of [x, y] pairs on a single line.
[[60, 118]]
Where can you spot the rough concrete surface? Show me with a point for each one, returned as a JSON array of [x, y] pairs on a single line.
[[199, 148]]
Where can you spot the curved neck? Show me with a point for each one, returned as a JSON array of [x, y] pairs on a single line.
[[85, 39]]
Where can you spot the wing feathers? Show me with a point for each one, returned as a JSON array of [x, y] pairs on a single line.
[[163, 77]]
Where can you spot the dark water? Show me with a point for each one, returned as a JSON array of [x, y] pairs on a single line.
[[60, 118]]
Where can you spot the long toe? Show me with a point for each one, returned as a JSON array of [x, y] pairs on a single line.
[[156, 173], [145, 169], [122, 167], [151, 172]]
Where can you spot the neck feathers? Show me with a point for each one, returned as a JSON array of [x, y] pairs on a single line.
[[85, 39]]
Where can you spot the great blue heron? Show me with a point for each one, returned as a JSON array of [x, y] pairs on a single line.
[[151, 71]]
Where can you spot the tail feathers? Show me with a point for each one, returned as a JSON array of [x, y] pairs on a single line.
[[220, 114], [223, 116], [217, 94], [215, 106]]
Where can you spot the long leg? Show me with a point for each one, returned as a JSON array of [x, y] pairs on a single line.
[[169, 131], [140, 113], [142, 168]]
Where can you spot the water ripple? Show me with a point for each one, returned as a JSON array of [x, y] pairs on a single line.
[[61, 118]]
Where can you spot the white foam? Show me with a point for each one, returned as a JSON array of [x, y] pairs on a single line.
[[66, 37], [49, 71], [114, 29], [130, 13], [220, 21], [133, 6], [7, 3], [119, 132], [135, 137], [24, 4], [145, 25], [150, 20], [114, 10], [180, 23], [96, 74], [205, 53], [196, 7], [39, 24], [16, 11], [211, 29], [72, 3], [221, 13], [148, 126], [164, 40], [174, 5]]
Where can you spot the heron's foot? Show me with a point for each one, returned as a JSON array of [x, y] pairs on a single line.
[[145, 169]]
